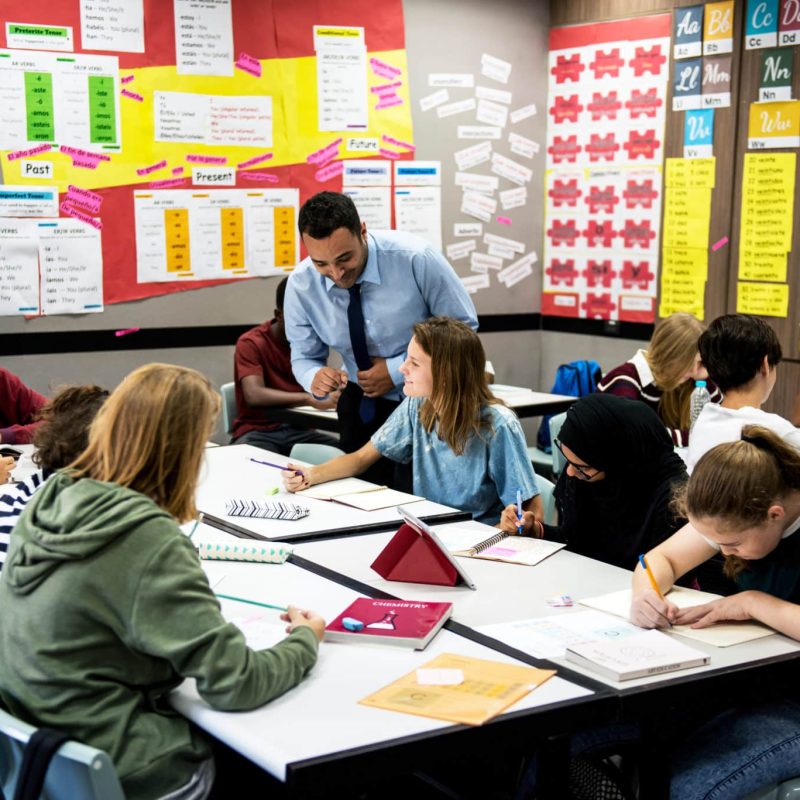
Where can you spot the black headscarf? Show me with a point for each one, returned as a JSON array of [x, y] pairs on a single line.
[[627, 512]]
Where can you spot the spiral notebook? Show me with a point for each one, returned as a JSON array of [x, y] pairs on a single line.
[[263, 510], [499, 547]]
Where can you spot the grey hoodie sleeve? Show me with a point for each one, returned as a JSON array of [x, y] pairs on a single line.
[[176, 616]]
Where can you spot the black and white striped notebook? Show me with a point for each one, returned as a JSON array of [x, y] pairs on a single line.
[[264, 510]]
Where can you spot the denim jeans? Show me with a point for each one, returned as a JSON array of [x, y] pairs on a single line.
[[738, 752]]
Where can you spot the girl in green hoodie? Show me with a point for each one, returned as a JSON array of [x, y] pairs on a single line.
[[109, 608]]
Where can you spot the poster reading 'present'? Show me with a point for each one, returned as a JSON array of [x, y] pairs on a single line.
[[605, 150]]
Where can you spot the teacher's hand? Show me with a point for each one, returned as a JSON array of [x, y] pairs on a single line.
[[328, 380], [376, 380]]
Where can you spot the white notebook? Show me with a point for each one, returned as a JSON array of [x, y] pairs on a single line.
[[723, 634], [359, 494], [637, 656]]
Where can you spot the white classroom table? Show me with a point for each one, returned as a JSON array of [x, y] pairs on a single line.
[[319, 722], [524, 402], [512, 592], [228, 472]]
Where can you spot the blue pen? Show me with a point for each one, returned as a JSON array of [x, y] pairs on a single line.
[[277, 466], [519, 511]]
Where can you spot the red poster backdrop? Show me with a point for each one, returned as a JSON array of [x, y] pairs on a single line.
[[605, 145]]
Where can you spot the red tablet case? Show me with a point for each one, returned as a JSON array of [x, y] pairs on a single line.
[[412, 556]]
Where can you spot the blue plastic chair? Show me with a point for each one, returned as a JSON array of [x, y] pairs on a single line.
[[228, 392], [77, 771], [314, 453], [546, 489], [788, 790]]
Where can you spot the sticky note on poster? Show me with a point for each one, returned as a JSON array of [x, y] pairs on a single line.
[[718, 28], [775, 76], [762, 299], [698, 133], [687, 85], [774, 125], [761, 24], [688, 32], [28, 201], [760, 266]]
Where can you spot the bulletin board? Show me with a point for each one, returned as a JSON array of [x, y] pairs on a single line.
[[126, 136], [715, 256]]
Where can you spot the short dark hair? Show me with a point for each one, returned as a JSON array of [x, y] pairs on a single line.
[[280, 292], [64, 432], [326, 212], [733, 348]]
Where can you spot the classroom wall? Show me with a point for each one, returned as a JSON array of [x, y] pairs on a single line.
[[441, 36], [730, 145]]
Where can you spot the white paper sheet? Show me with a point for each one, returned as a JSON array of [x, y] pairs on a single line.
[[463, 80], [222, 233], [111, 25], [495, 68], [342, 96], [418, 210], [467, 229], [723, 634], [548, 637], [203, 37], [225, 120], [71, 263], [80, 97], [435, 99], [417, 173], [28, 201], [367, 172], [39, 37], [373, 203], [19, 267]]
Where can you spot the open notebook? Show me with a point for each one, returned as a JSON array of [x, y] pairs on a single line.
[[359, 494], [499, 546], [723, 634]]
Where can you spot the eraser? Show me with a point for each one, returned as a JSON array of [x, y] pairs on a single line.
[[350, 624]]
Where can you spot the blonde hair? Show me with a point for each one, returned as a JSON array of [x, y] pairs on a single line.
[[150, 434], [671, 354], [459, 381], [736, 483]]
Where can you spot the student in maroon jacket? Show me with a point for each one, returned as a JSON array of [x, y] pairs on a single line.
[[19, 406], [663, 376], [264, 379]]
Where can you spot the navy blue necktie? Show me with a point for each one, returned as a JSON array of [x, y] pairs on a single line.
[[358, 339]]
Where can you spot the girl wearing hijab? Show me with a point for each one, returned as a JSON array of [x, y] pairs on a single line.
[[613, 498]]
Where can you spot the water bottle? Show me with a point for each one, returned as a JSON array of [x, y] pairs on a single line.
[[699, 398]]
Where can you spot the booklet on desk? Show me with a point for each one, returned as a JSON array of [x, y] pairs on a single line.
[[499, 547], [415, 554], [721, 634], [636, 656], [402, 622], [359, 494]]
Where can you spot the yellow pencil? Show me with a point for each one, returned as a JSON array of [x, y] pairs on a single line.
[[646, 568]]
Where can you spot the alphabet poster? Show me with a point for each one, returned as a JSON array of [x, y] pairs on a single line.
[[605, 150]]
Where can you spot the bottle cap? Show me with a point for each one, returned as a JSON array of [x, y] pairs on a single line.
[[700, 383]]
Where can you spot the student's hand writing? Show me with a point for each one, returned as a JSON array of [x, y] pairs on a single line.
[[296, 477], [736, 607], [298, 618], [509, 522], [376, 380], [327, 380], [648, 610], [328, 404], [6, 465]]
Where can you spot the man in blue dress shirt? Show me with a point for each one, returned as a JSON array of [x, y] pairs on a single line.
[[360, 294]]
